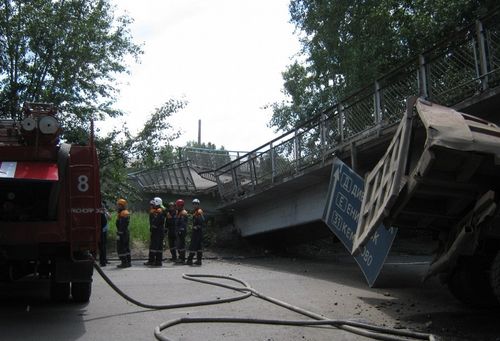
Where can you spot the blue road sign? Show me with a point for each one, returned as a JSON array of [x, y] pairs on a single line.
[[341, 214]]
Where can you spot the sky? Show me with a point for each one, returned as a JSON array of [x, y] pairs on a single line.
[[225, 57]]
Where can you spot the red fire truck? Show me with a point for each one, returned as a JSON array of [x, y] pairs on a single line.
[[49, 204]]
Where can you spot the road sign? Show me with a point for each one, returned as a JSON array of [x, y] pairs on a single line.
[[341, 214]]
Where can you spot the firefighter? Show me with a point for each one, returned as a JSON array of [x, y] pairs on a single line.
[[105, 216], [123, 234], [180, 230], [170, 227], [196, 234], [156, 228]]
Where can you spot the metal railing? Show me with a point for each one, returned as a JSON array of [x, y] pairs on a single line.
[[454, 70], [204, 159], [176, 177]]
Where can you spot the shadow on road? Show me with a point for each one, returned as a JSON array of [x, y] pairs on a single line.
[[27, 313]]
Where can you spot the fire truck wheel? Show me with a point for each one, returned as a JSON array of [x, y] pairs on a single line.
[[81, 291], [59, 292], [495, 276], [470, 282]]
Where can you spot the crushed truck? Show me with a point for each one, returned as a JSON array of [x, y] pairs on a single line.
[[441, 172], [49, 205]]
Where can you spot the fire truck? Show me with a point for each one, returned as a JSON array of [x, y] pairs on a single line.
[[49, 205]]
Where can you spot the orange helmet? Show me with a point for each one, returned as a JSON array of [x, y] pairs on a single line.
[[121, 202], [179, 203]]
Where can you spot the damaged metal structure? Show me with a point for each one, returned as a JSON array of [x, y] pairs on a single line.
[[441, 172]]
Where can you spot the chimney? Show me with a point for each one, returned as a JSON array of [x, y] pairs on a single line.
[[199, 132]]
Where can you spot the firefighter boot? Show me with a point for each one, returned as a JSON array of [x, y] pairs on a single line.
[[173, 252], [182, 258], [199, 254], [190, 258], [158, 259], [150, 259], [123, 263]]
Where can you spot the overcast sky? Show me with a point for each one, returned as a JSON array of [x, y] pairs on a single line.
[[225, 57]]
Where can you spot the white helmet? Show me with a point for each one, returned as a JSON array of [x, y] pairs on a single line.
[[157, 201], [196, 201]]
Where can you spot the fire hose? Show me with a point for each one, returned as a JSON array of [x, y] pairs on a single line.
[[360, 328]]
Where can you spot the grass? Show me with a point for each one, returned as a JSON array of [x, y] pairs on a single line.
[[139, 229]]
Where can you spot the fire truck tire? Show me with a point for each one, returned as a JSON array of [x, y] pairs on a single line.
[[470, 282], [59, 292], [495, 276], [80, 291]]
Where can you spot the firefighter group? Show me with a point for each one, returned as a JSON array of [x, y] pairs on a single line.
[[171, 222]]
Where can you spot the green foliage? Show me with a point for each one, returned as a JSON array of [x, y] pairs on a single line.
[[203, 145], [120, 152], [306, 98], [152, 144], [348, 44], [205, 155], [69, 53], [113, 160], [63, 52], [138, 227]]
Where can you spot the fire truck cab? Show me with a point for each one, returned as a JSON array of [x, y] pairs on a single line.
[[49, 205]]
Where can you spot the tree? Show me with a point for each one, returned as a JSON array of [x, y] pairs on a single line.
[[348, 44], [120, 152], [151, 146], [203, 145], [113, 164], [205, 155], [64, 52]]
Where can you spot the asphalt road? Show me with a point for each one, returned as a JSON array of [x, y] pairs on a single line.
[[335, 289]]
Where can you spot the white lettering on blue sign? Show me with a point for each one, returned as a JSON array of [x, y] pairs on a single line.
[[357, 193], [346, 182], [342, 226], [367, 257], [352, 212], [342, 213], [341, 202]]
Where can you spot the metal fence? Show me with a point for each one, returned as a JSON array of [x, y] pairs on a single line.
[[209, 159], [183, 177], [456, 69], [176, 177]]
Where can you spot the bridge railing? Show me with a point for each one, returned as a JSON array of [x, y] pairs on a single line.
[[176, 177], [458, 68], [209, 159]]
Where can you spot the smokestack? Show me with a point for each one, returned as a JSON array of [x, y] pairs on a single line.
[[199, 132]]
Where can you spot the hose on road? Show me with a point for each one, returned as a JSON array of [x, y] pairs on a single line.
[[364, 329]]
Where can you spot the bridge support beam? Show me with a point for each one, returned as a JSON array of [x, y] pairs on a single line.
[[284, 209]]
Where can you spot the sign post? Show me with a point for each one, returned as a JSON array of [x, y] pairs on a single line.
[[341, 215]]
